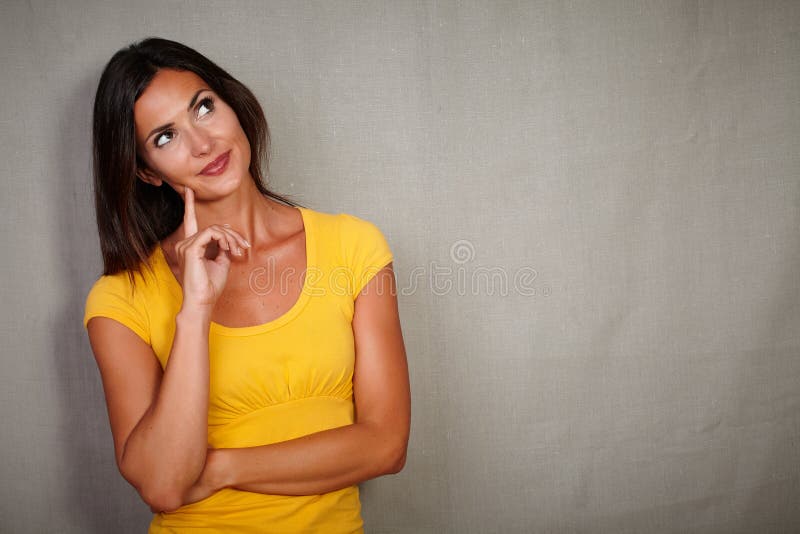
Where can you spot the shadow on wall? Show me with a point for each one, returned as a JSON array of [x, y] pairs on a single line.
[[102, 501]]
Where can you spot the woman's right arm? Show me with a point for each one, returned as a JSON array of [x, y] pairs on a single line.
[[159, 420]]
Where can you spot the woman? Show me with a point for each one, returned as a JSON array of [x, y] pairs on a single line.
[[250, 349]]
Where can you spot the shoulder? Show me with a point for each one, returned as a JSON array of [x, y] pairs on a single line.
[[356, 225], [345, 229], [122, 296], [129, 282], [119, 285]]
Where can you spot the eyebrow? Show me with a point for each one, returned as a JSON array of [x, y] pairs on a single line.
[[169, 125]]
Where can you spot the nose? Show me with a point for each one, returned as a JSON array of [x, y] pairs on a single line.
[[200, 141]]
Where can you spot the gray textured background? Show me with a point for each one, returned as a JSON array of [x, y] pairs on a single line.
[[633, 164]]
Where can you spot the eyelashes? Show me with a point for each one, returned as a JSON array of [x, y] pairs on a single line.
[[206, 104], [163, 138], [203, 108]]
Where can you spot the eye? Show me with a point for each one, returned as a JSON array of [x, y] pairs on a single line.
[[205, 107], [163, 138]]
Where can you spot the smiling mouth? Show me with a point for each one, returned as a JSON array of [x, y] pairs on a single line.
[[217, 166]]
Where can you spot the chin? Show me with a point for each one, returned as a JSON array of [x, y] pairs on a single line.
[[223, 187]]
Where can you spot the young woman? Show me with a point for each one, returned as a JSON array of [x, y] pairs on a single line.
[[250, 349]]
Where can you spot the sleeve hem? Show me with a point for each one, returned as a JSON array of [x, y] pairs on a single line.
[[370, 273], [121, 319]]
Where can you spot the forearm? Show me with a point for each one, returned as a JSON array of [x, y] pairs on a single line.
[[166, 451], [314, 464]]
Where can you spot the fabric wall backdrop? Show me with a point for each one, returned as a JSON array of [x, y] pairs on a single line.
[[594, 208]]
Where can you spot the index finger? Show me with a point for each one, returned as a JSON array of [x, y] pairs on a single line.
[[189, 217]]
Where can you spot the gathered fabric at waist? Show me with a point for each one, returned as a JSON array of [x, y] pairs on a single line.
[[232, 510], [282, 422]]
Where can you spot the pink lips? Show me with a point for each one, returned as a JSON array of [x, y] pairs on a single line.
[[217, 166]]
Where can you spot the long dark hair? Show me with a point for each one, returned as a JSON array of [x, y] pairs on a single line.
[[133, 216]]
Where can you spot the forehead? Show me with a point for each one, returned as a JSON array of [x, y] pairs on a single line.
[[168, 95]]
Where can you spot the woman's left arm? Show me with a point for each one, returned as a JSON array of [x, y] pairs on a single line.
[[325, 461]]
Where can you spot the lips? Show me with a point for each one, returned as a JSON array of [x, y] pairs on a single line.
[[217, 166]]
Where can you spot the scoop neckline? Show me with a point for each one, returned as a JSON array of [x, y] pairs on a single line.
[[290, 314]]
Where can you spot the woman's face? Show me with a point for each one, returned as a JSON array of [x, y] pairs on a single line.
[[188, 136]]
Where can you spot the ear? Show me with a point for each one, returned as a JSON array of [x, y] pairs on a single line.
[[148, 176]]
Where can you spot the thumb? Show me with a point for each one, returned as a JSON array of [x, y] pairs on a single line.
[[223, 258]]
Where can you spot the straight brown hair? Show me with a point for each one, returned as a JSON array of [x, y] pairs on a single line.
[[133, 216]]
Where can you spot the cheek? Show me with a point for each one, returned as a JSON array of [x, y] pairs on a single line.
[[242, 141], [170, 163], [236, 127], [246, 156]]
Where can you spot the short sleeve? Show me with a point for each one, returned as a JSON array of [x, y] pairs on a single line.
[[366, 250], [111, 297]]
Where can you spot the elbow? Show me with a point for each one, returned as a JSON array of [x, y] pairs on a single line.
[[391, 449], [159, 496], [394, 459], [397, 465], [160, 500]]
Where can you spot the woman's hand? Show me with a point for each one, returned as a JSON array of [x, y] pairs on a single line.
[[204, 257], [211, 480]]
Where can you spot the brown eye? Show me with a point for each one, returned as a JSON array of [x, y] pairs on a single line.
[[163, 138], [205, 107]]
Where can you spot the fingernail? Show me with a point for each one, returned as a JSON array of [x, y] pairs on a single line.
[[239, 251], [247, 243], [226, 225]]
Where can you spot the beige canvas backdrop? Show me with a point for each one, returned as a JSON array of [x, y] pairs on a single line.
[[594, 211]]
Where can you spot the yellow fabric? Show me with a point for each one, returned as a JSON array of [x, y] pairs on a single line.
[[272, 382]]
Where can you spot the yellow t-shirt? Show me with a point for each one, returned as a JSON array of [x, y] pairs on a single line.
[[273, 382]]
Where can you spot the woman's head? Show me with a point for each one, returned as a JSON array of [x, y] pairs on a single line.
[[133, 213], [188, 136]]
